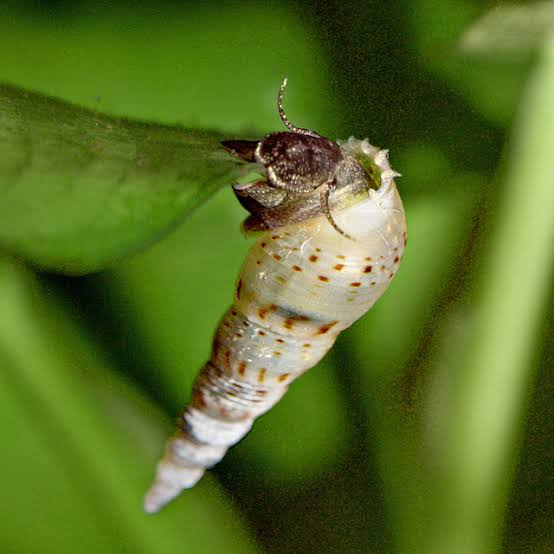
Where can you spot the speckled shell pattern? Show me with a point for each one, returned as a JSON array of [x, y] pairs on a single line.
[[298, 288]]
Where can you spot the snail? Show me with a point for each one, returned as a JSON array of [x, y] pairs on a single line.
[[333, 233]]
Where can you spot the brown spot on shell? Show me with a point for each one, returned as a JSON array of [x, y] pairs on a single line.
[[277, 353], [261, 333], [296, 268], [272, 308], [275, 237], [368, 268], [233, 312], [242, 368], [325, 328], [227, 360], [277, 257], [391, 275], [356, 284], [313, 258], [368, 259], [263, 244], [338, 267], [341, 257], [301, 318], [239, 335], [323, 278], [306, 345], [318, 249], [261, 375], [239, 288], [262, 312], [382, 268], [217, 371], [280, 341], [198, 398], [396, 259], [283, 377], [215, 349], [258, 262], [288, 324]]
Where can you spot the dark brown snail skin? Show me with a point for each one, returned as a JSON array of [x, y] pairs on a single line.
[[305, 174]]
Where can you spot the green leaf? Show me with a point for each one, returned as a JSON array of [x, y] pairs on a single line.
[[79, 190], [490, 84], [79, 445], [510, 30]]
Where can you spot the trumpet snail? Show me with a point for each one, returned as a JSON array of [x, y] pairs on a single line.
[[334, 233]]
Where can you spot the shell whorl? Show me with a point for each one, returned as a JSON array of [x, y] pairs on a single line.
[[299, 286]]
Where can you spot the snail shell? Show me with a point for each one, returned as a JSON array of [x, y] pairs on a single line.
[[304, 281]]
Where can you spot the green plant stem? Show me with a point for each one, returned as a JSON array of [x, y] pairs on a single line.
[[489, 401]]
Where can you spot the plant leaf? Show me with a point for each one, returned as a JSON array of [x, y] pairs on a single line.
[[510, 30], [79, 445], [79, 189]]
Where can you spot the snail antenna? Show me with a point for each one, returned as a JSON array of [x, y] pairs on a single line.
[[283, 116]]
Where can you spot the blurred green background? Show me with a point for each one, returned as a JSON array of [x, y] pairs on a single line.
[[428, 429]]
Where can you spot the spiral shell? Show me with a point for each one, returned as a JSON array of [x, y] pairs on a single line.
[[300, 285]]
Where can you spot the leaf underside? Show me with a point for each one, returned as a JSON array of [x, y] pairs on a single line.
[[79, 189]]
